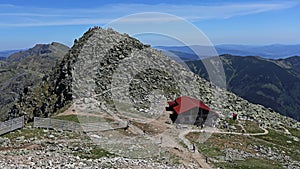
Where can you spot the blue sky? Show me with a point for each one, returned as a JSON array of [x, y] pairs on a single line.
[[25, 23]]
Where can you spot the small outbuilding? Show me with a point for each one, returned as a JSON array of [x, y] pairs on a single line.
[[187, 110], [234, 116]]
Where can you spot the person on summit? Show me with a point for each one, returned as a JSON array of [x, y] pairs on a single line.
[[127, 125], [194, 148]]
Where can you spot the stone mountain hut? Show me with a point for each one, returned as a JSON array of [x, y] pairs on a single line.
[[187, 110]]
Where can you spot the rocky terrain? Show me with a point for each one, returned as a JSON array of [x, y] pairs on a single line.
[[25, 69], [119, 80], [42, 148]]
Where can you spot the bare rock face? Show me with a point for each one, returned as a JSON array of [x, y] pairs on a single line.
[[109, 71]]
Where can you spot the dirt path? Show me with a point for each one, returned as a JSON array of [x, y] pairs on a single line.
[[246, 134], [71, 111], [196, 155], [213, 130], [243, 128], [286, 131]]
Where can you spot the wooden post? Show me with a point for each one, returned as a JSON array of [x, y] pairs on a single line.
[[34, 118], [194, 148], [22, 121], [11, 124], [49, 124]]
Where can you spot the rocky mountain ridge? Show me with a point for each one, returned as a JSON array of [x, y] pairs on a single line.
[[41, 50], [25, 69], [57, 90]]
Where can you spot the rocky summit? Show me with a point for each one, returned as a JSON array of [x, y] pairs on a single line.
[[123, 85]]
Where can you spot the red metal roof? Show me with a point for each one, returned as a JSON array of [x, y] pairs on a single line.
[[185, 103], [171, 103]]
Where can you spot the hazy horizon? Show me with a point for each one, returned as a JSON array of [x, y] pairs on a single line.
[[165, 45], [260, 22]]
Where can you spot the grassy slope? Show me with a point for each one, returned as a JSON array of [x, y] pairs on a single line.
[[213, 147]]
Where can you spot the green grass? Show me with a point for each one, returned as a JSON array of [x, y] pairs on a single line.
[[251, 163], [98, 153], [295, 132], [125, 107], [95, 153], [210, 151], [230, 121], [64, 108], [39, 133], [81, 119], [183, 145], [26, 132], [208, 148], [238, 128], [73, 118], [214, 145], [175, 160], [280, 139], [252, 127]]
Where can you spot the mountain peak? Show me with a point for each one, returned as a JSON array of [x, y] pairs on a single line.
[[39, 50]]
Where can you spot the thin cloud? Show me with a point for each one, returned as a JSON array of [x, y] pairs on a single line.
[[57, 23], [7, 5], [30, 14], [16, 16]]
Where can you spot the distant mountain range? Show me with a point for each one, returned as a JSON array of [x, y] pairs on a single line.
[[274, 51], [4, 54], [269, 82], [24, 69]]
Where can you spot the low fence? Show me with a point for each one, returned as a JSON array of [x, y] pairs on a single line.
[[11, 125], [57, 124], [17, 123]]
